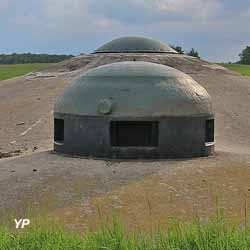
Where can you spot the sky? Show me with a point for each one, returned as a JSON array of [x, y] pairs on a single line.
[[218, 29]]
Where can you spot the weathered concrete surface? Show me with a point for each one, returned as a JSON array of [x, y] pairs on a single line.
[[26, 108], [187, 140], [72, 188]]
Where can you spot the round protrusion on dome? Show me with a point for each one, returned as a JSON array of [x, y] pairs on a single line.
[[105, 107]]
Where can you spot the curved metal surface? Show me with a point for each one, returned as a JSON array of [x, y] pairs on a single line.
[[136, 89], [135, 45]]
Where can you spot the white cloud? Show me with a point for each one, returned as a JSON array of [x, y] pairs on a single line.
[[248, 13], [64, 8], [3, 5], [108, 13], [105, 23], [64, 24], [201, 9]]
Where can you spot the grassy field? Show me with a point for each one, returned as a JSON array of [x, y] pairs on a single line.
[[240, 68], [195, 236], [13, 70]]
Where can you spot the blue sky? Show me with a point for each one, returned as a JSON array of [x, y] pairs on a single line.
[[218, 29]]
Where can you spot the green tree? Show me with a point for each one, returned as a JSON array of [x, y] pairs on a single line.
[[193, 53], [245, 56]]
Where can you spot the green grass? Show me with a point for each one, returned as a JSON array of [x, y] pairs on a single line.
[[194, 236], [240, 68], [14, 70]]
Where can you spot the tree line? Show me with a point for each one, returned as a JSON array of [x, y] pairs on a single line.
[[244, 55], [31, 58]]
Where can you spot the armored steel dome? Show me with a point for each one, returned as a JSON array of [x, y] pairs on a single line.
[[134, 110], [135, 45]]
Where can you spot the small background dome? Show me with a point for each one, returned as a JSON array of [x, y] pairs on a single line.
[[135, 45]]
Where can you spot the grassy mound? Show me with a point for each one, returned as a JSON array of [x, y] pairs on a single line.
[[177, 236], [10, 71]]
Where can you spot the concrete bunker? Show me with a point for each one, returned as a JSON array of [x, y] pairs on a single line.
[[135, 45], [132, 110]]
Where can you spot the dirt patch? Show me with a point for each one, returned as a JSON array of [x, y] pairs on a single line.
[[193, 188], [76, 190]]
